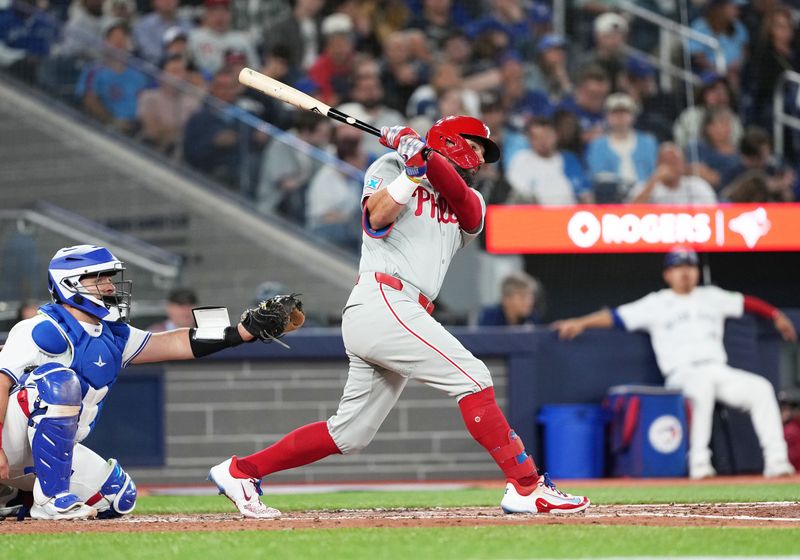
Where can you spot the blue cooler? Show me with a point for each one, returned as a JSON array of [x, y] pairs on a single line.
[[649, 431], [574, 440]]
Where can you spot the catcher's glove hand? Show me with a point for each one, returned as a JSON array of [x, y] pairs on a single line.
[[274, 317]]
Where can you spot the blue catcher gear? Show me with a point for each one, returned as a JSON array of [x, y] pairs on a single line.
[[54, 419], [118, 493], [102, 484], [72, 264]]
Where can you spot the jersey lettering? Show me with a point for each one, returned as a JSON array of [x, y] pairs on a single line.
[[439, 209]]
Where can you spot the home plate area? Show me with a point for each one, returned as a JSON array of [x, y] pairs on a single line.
[[755, 514]]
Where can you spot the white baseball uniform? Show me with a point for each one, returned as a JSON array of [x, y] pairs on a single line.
[[20, 352], [388, 332], [686, 332]]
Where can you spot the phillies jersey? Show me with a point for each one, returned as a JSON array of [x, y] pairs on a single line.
[[419, 246], [685, 329]]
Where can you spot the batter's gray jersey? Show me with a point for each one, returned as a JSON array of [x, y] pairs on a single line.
[[424, 238]]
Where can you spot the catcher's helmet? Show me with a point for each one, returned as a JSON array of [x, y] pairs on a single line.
[[448, 137], [70, 264]]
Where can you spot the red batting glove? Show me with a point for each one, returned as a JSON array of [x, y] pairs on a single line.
[[391, 136]]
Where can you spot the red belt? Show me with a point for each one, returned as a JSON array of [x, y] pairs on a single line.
[[397, 284]]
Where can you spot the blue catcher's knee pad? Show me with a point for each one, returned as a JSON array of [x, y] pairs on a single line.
[[54, 420], [118, 492]]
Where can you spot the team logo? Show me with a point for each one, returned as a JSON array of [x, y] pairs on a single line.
[[374, 182], [752, 226], [99, 362], [665, 434]]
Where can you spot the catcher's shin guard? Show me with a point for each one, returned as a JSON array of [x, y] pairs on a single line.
[[54, 422]]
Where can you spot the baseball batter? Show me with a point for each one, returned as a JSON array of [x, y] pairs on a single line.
[[57, 368], [686, 324], [418, 210]]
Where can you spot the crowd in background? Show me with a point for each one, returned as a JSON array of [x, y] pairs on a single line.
[[578, 118]]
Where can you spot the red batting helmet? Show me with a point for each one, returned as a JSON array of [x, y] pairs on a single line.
[[449, 135]]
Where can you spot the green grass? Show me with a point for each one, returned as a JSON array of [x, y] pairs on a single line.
[[460, 543], [478, 497]]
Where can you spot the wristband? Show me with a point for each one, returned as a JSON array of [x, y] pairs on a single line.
[[204, 347], [402, 189]]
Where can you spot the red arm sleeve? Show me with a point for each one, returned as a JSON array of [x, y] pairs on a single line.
[[759, 307], [462, 199]]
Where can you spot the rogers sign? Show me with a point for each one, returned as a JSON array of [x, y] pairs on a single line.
[[642, 228]]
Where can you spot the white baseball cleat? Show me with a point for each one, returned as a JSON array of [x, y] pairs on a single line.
[[10, 503], [543, 497], [701, 471], [778, 469], [62, 506], [243, 492]]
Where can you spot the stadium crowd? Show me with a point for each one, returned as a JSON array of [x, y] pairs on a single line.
[[579, 119]]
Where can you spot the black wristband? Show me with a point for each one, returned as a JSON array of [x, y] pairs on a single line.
[[202, 348]]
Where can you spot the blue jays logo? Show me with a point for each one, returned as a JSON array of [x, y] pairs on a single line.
[[374, 182]]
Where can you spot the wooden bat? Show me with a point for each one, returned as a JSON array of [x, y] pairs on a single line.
[[288, 94]]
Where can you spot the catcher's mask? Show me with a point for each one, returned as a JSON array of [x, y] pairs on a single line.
[[449, 136]]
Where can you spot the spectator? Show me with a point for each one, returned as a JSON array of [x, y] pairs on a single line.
[[751, 186], [148, 32], [519, 102], [425, 99], [517, 21], [298, 33], [266, 107], [587, 102], [610, 36], [568, 130], [208, 43], [623, 153], [686, 323], [216, 142], [518, 301], [365, 100], [657, 111], [721, 21], [26, 36], [549, 74], [286, 171], [180, 303], [164, 111], [109, 90], [669, 183], [176, 42], [124, 10], [715, 156], [713, 92], [544, 175], [756, 155], [435, 22], [400, 74], [82, 36], [775, 52], [333, 68], [333, 199]]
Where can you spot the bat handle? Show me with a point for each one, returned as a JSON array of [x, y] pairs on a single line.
[[337, 115]]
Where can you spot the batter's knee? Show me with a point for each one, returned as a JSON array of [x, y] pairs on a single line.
[[351, 437]]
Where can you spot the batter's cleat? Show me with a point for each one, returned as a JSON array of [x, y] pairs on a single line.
[[63, 506], [10, 501], [779, 469], [543, 497], [699, 472], [243, 492]]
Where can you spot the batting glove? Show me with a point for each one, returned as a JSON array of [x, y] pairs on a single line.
[[412, 150], [391, 136]]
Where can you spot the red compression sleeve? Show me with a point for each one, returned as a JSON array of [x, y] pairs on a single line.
[[759, 307], [462, 199]]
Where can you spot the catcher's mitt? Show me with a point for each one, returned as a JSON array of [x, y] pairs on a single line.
[[274, 317]]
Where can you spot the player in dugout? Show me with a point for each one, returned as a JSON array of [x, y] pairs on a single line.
[[418, 210], [686, 324], [57, 368]]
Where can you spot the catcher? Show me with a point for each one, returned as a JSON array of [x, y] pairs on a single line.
[[57, 368]]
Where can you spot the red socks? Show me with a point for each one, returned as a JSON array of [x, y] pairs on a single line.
[[305, 445], [487, 424]]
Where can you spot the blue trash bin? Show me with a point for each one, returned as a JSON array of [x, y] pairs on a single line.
[[574, 440]]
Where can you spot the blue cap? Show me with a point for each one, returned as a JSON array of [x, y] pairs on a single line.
[[639, 67], [550, 41], [680, 256], [540, 13], [709, 77]]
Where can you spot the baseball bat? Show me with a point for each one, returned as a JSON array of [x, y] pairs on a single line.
[[290, 95]]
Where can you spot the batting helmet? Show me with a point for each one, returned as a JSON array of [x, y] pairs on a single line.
[[679, 256], [449, 136]]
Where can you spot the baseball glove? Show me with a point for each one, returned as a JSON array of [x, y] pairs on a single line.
[[274, 317]]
